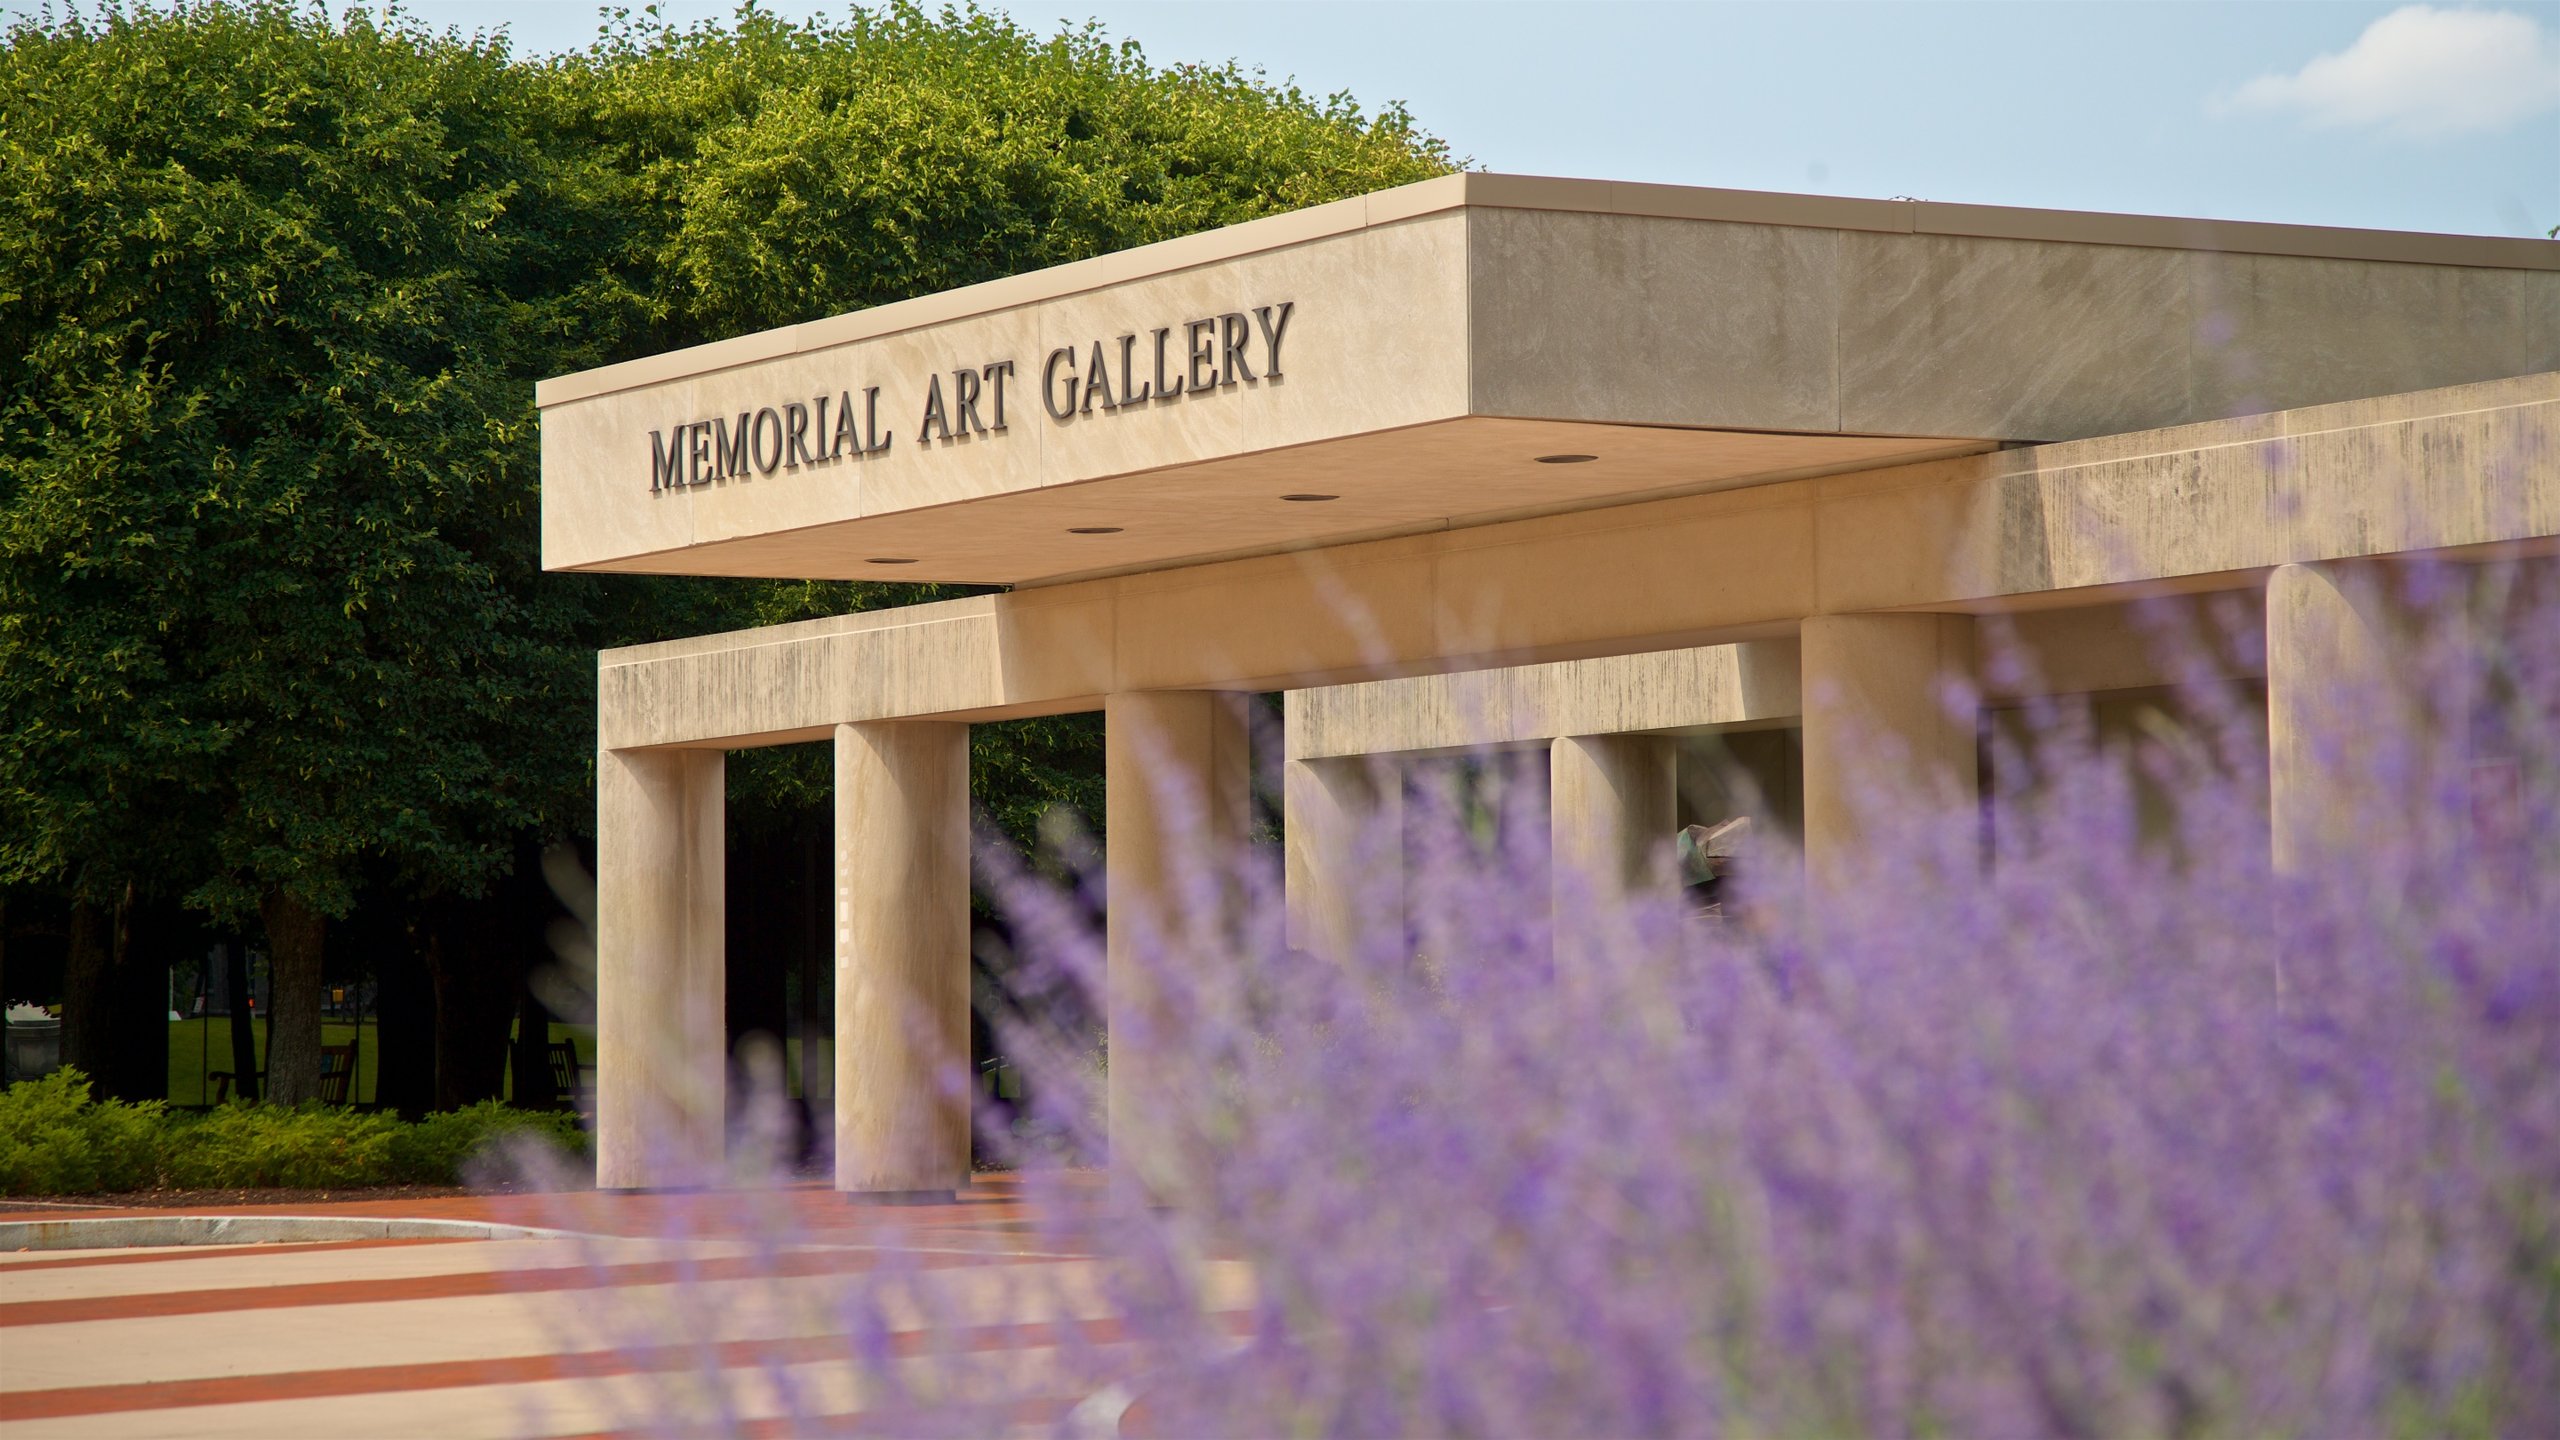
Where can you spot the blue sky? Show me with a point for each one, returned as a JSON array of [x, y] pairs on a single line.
[[2416, 117]]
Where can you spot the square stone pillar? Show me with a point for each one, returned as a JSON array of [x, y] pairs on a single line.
[[1888, 736], [2366, 710], [661, 1045], [1344, 819], [1612, 807], [902, 959], [1178, 794]]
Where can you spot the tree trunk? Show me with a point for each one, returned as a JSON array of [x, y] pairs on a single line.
[[475, 986], [145, 935], [405, 1025], [244, 1021], [88, 1027], [295, 934]]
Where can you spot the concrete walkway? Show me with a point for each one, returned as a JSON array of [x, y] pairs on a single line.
[[725, 1312]]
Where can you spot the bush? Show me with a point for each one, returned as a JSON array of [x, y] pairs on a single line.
[[55, 1140], [313, 1146], [442, 1149]]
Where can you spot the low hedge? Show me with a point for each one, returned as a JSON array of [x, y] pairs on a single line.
[[55, 1139]]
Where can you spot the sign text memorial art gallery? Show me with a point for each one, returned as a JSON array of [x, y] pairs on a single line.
[[1194, 358]]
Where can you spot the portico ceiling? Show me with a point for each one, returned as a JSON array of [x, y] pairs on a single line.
[[1393, 482], [1423, 356]]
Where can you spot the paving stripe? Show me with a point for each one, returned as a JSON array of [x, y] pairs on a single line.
[[19, 1262], [829, 1397], [663, 1308], [531, 1281], [1038, 1415], [27, 1405], [242, 1267], [149, 1349]]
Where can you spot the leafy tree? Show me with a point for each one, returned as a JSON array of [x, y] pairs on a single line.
[[270, 293], [273, 290], [792, 170]]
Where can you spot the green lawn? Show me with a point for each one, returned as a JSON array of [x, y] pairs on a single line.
[[198, 1047], [585, 1035]]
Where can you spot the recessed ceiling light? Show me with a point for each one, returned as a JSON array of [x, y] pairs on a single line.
[[1307, 498], [890, 560], [1093, 529], [1566, 459]]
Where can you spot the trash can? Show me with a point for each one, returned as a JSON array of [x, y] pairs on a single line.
[[32, 1049]]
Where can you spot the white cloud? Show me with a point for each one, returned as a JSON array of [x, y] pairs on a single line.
[[2423, 72]]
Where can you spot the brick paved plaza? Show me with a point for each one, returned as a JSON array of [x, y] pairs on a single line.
[[503, 1337]]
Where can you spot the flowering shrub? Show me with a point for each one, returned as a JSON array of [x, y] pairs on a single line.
[[2123, 1130]]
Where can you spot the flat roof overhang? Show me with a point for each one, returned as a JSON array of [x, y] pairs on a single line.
[[1418, 354]]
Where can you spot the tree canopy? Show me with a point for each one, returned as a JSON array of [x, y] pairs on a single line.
[[274, 288], [266, 491], [789, 171]]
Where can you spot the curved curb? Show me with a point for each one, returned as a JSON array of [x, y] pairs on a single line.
[[133, 1230]]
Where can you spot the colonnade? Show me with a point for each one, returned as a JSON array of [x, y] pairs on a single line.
[[1883, 704], [1178, 783]]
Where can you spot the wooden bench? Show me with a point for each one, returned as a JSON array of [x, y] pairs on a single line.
[[569, 1078], [337, 1076]]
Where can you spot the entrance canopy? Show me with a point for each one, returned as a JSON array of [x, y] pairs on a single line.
[[1481, 348], [1692, 460]]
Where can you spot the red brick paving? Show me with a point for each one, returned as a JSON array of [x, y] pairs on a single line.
[[977, 1229], [210, 1252], [544, 1280], [570, 1365]]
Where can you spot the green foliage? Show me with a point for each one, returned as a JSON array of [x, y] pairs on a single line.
[[441, 1149], [1019, 769], [275, 283], [55, 1140], [791, 170], [270, 294], [309, 1146]]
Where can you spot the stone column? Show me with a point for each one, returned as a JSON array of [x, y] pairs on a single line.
[[2356, 728], [1612, 804], [1344, 819], [1880, 741], [1178, 791], [661, 1061], [902, 959]]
